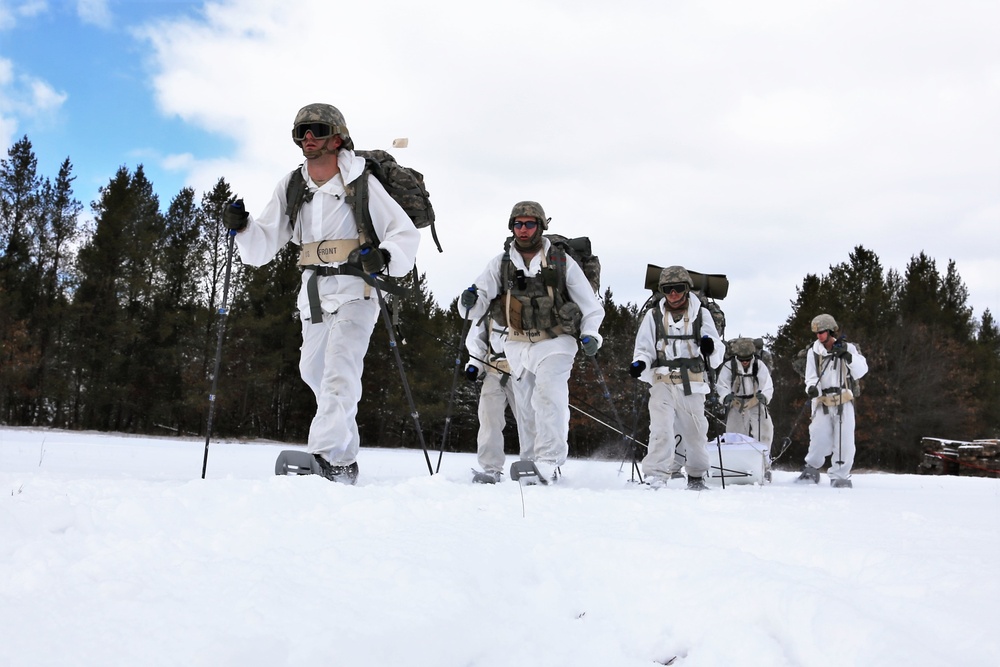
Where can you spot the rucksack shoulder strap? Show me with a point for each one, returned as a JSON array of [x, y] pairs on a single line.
[[357, 199], [295, 194]]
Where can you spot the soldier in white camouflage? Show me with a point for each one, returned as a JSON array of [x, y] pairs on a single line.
[[549, 311], [675, 347], [337, 310], [745, 388], [831, 364]]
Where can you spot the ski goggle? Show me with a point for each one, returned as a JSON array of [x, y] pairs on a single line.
[[744, 360], [528, 225], [319, 131], [680, 288]]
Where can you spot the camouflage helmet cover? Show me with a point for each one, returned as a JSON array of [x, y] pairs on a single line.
[[824, 322], [324, 113], [673, 275], [743, 348], [528, 209]]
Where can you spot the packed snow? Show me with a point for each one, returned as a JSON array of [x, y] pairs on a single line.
[[114, 551]]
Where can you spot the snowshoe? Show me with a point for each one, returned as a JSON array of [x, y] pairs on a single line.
[[487, 477], [809, 474], [656, 481], [293, 462], [841, 484], [696, 484], [528, 473]]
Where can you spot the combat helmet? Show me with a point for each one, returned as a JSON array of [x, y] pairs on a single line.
[[743, 348], [673, 275], [531, 209], [323, 113], [824, 322]]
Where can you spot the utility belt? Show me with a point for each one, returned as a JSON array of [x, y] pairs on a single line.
[[835, 396], [534, 335], [327, 252], [745, 403], [676, 377], [317, 258], [683, 371], [499, 366]]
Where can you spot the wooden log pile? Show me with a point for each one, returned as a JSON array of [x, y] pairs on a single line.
[[979, 458]]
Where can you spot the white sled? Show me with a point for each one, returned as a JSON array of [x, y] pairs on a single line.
[[744, 460]]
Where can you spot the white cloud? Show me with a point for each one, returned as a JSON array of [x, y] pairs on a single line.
[[10, 12], [23, 96], [94, 12], [764, 142]]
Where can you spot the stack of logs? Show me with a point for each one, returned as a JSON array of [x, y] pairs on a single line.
[[979, 458]]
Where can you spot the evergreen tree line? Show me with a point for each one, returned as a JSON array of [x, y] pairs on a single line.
[[112, 326]]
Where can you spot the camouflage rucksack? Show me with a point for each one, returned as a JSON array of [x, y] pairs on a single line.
[[404, 185], [709, 288], [580, 250]]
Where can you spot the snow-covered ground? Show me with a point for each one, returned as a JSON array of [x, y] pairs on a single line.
[[114, 551]]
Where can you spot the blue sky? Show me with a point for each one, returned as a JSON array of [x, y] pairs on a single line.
[[760, 140], [107, 118]]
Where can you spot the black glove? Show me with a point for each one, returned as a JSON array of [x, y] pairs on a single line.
[[471, 373], [235, 215], [841, 352], [590, 345], [727, 401], [469, 297], [707, 346], [761, 398], [373, 260], [812, 391], [636, 369], [713, 405]]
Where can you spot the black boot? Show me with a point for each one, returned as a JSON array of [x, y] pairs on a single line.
[[696, 484], [342, 474]]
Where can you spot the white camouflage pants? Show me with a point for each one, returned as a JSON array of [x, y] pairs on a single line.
[[332, 361], [542, 400], [832, 434], [493, 402], [671, 413]]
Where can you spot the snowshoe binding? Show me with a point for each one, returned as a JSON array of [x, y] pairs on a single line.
[[293, 462]]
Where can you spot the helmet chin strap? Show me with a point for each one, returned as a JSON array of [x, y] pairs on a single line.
[[324, 149]]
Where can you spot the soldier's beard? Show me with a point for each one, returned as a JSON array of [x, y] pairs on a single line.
[[532, 244]]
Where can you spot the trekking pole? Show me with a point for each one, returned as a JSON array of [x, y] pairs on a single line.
[[399, 364], [614, 408], [464, 331], [787, 440], [223, 311], [484, 362], [635, 427], [840, 418], [718, 440], [607, 425]]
